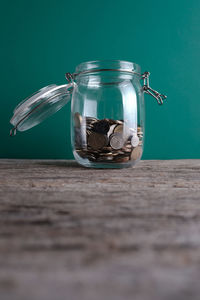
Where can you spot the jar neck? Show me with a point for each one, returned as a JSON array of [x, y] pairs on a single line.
[[106, 72], [94, 66]]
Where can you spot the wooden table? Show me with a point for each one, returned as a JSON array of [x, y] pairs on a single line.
[[72, 233]]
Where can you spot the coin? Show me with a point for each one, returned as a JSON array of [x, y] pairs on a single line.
[[97, 140], [90, 119], [90, 156], [94, 152], [80, 152], [106, 149], [101, 126], [123, 129], [111, 130], [114, 122], [88, 132], [119, 128], [140, 134], [78, 137], [133, 131], [134, 141], [105, 158], [119, 121], [128, 145], [106, 154], [85, 128], [116, 141], [140, 143], [136, 153], [127, 150], [111, 122], [118, 152], [106, 140], [77, 120], [122, 159]]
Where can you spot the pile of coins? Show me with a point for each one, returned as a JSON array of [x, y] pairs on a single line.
[[106, 140]]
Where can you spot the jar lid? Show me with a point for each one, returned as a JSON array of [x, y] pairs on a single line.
[[39, 106]]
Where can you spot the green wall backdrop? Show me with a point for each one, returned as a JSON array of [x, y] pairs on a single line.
[[41, 40]]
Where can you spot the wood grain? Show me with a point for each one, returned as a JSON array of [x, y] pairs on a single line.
[[67, 232]]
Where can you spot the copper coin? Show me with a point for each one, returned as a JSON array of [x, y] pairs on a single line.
[[136, 153], [105, 158], [97, 140], [77, 120], [122, 159], [90, 119], [106, 149], [106, 154], [119, 128], [101, 126], [126, 150], [123, 129]]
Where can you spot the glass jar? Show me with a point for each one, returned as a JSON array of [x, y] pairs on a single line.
[[107, 112]]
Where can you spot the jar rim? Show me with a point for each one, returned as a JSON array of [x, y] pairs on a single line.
[[109, 64]]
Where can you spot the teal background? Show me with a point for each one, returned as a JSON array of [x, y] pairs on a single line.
[[41, 40]]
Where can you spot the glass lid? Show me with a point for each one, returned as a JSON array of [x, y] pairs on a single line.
[[39, 106]]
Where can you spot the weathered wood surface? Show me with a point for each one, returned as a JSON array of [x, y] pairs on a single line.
[[72, 233]]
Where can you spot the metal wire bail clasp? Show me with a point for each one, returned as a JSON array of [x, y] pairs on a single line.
[[69, 77], [13, 131], [147, 89]]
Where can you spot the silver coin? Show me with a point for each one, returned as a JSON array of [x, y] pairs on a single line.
[[111, 130], [114, 122], [116, 141], [134, 141], [119, 121]]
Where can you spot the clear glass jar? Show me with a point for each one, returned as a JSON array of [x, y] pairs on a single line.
[[107, 112], [107, 124]]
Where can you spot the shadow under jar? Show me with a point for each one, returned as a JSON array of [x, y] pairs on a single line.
[[107, 112]]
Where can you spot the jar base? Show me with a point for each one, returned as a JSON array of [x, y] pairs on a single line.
[[89, 164]]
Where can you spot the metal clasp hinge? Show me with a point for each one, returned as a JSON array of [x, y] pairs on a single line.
[[13, 131], [69, 77], [147, 89]]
